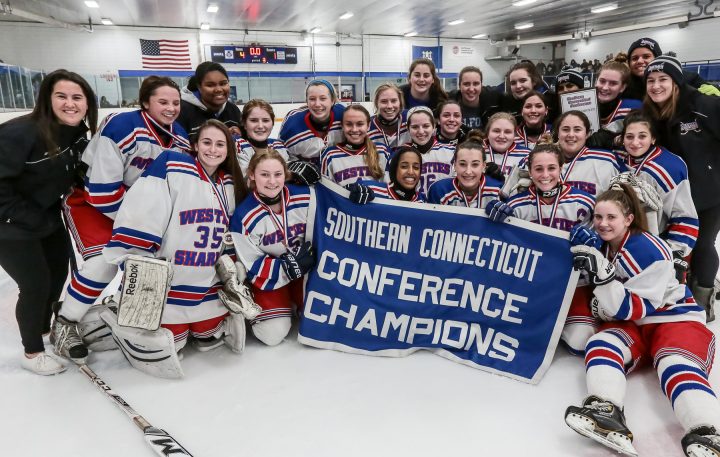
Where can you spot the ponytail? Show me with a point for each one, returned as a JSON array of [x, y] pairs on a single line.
[[624, 196]]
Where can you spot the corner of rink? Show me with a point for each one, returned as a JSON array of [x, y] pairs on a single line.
[[295, 400]]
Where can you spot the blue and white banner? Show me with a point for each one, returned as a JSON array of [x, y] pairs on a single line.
[[433, 53], [393, 278]]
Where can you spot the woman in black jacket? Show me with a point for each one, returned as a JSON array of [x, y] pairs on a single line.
[[207, 97], [688, 124], [39, 153], [477, 102], [424, 87]]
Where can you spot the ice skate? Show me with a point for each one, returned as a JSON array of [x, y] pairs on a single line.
[[66, 339], [207, 344], [701, 442], [603, 422]]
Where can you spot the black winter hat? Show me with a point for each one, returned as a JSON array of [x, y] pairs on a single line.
[[669, 65], [648, 43], [571, 76]]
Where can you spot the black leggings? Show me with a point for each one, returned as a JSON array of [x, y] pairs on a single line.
[[39, 267], [704, 262]]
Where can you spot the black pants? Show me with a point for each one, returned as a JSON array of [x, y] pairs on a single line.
[[39, 267], [704, 263]]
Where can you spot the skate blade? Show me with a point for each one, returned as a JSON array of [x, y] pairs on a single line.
[[698, 450], [613, 440]]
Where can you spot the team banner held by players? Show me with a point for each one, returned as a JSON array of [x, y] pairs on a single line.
[[393, 278]]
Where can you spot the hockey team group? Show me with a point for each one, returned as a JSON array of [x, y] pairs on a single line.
[[205, 215]]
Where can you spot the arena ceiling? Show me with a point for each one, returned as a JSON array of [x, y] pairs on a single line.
[[495, 18]]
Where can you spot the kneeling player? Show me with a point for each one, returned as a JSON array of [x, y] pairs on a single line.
[[649, 316], [268, 230], [179, 210], [552, 203]]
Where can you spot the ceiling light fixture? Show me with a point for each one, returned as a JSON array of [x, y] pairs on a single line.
[[523, 2], [213, 8], [92, 4], [524, 25], [409, 34], [205, 26], [456, 22], [479, 35], [347, 15], [604, 8], [315, 29], [106, 21]]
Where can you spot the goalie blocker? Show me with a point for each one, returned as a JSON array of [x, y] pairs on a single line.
[[145, 285]]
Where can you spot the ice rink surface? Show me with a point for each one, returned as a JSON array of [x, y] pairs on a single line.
[[293, 400]]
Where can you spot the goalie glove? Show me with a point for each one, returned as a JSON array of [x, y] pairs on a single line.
[[498, 211], [493, 170], [588, 259], [601, 312], [581, 235], [235, 295], [296, 265], [517, 181], [360, 194], [304, 173], [646, 193], [681, 266]]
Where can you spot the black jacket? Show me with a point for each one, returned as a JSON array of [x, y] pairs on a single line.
[[32, 183], [488, 104], [193, 114], [694, 134]]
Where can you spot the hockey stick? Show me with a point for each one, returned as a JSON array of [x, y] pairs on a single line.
[[159, 440]]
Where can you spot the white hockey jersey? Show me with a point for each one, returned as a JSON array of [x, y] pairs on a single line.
[[507, 161], [668, 174], [185, 221], [448, 192], [572, 206], [126, 144], [521, 135], [591, 170], [345, 166], [645, 289], [398, 137], [245, 151], [261, 236], [437, 164], [303, 141], [387, 190]]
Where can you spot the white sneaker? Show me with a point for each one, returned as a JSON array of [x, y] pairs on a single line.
[[42, 364]]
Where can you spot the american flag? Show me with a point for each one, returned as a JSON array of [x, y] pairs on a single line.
[[165, 54]]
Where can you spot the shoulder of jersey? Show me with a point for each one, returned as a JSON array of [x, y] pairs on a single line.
[[581, 196], [118, 125], [169, 162], [642, 250]]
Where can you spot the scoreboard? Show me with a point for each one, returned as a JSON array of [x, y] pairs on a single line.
[[253, 54]]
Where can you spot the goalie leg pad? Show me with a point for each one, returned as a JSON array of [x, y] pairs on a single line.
[[235, 333], [152, 352], [145, 285], [272, 331], [94, 332]]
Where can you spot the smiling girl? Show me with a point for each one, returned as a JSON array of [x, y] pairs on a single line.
[[500, 146], [649, 318], [118, 154], [357, 157], [437, 157], [688, 124], [258, 119], [307, 131], [610, 84], [450, 127], [587, 169], [551, 203], [471, 188], [389, 125], [159, 227], [477, 102], [534, 120], [424, 87], [404, 170], [268, 230]]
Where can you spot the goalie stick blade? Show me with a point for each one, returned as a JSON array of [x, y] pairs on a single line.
[[163, 444]]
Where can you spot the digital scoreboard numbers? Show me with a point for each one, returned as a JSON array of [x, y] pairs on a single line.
[[253, 54]]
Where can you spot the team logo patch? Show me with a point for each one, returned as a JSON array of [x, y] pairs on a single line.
[[686, 127], [656, 67]]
